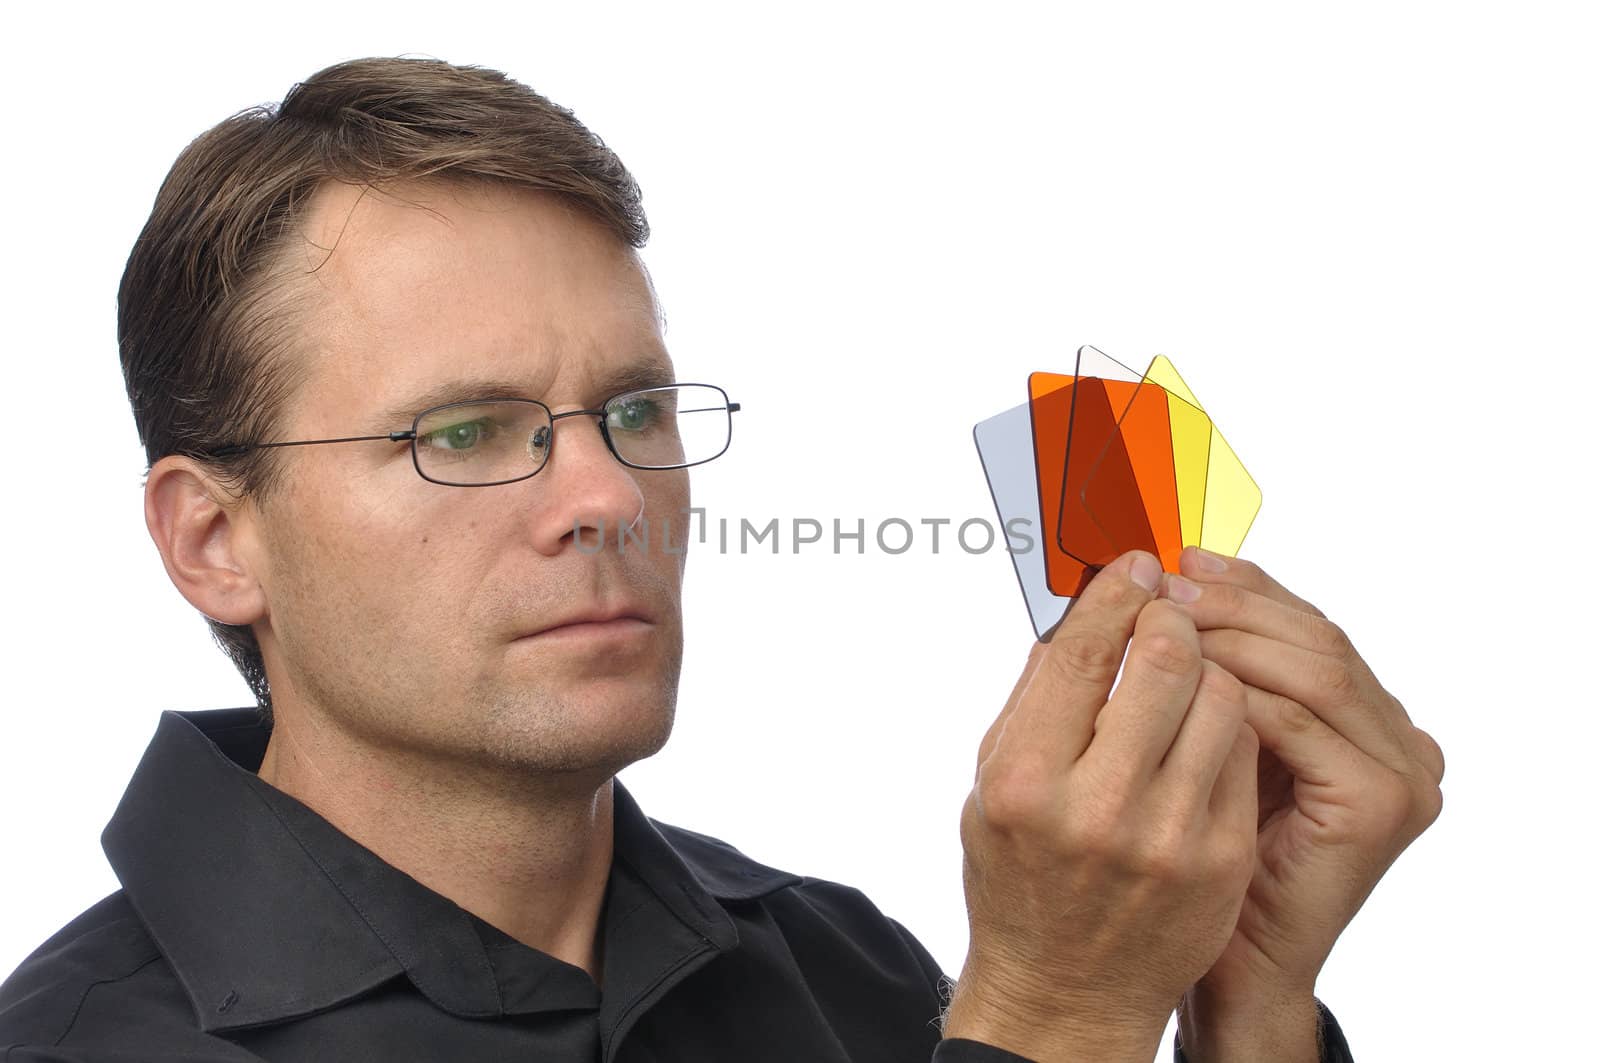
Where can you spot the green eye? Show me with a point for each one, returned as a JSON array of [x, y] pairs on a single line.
[[462, 436], [634, 415]]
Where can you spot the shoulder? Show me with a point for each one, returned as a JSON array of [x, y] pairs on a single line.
[[107, 942], [845, 920], [831, 917], [871, 984], [723, 870]]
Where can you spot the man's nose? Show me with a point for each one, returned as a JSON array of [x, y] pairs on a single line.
[[583, 490]]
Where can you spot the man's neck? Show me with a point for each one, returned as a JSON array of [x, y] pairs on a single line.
[[531, 862]]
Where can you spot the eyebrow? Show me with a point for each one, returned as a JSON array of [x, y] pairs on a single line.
[[635, 376], [460, 390]]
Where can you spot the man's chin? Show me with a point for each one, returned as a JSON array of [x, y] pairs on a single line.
[[588, 726]]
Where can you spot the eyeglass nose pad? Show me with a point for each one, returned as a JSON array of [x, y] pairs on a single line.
[[539, 443]]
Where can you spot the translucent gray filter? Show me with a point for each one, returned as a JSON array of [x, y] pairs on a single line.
[[1005, 447]]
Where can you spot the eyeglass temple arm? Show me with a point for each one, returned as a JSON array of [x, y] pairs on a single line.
[[241, 448]]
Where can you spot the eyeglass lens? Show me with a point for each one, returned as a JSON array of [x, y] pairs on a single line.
[[498, 441]]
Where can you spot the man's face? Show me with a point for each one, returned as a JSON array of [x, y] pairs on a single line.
[[418, 616]]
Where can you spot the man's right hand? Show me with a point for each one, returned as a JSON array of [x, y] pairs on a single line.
[[1109, 838]]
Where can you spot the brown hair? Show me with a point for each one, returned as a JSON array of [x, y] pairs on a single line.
[[202, 324]]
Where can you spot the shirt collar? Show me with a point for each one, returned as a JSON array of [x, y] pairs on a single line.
[[266, 911]]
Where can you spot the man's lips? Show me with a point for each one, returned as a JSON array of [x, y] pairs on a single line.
[[602, 620]]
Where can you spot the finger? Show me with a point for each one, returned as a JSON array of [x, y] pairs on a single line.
[[992, 736], [1345, 698], [1219, 605], [1225, 605], [1274, 784], [1137, 726], [1235, 796], [1333, 777], [1430, 755], [1207, 733], [1214, 570], [1206, 567], [1314, 753], [1054, 716]]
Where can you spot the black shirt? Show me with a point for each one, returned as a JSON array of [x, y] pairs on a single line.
[[249, 928]]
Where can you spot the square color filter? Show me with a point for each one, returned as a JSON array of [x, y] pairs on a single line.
[[1103, 461], [1005, 448], [1196, 486]]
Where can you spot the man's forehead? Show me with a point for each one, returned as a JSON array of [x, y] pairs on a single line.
[[360, 235], [420, 287], [391, 209]]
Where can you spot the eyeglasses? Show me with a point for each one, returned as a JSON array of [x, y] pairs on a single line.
[[501, 441]]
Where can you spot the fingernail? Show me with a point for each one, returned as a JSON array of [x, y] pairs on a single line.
[[1181, 590], [1146, 572], [1209, 562]]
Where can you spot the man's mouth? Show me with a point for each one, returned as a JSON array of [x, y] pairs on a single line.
[[620, 621]]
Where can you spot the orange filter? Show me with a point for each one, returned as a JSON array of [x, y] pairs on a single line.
[[1075, 432]]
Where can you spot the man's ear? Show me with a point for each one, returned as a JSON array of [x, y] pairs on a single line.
[[205, 537]]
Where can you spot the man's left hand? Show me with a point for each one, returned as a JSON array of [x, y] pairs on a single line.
[[1347, 782]]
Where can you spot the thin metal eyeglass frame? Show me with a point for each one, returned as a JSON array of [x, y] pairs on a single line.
[[410, 435]]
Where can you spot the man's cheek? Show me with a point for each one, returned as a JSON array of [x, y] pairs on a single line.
[[667, 510]]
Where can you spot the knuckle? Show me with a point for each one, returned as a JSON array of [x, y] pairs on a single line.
[[1009, 797], [1166, 854], [1422, 802], [1434, 807], [1168, 654], [1335, 676], [1326, 637], [1292, 717], [1219, 685], [1096, 820], [1094, 834], [1162, 865], [1252, 572], [1086, 651], [1247, 743], [1228, 855], [1157, 857], [1392, 799], [970, 819], [1227, 597], [1432, 755]]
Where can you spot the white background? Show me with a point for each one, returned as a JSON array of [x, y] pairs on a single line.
[[1366, 233]]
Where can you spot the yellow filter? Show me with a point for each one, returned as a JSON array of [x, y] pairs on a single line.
[[1224, 493]]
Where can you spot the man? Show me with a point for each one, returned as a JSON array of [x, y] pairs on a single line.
[[399, 373]]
